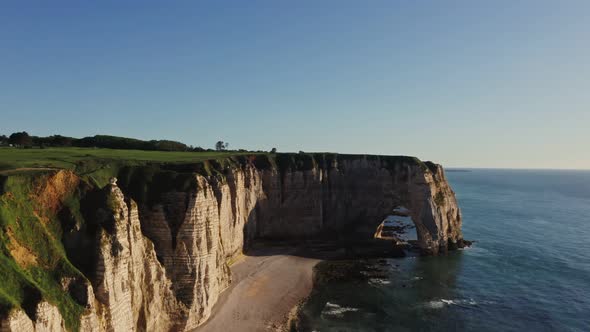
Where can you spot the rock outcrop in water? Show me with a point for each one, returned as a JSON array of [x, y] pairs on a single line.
[[154, 249]]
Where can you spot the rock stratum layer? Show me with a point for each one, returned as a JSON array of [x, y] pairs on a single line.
[[152, 252]]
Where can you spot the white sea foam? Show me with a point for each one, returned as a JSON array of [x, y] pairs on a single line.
[[479, 252], [439, 304], [332, 310], [378, 282], [434, 304]]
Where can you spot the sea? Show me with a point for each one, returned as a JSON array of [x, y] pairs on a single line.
[[528, 270]]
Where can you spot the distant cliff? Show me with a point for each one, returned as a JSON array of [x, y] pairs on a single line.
[[150, 251]]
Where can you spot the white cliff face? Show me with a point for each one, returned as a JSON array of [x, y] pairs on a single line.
[[359, 193], [47, 319], [161, 267], [130, 284]]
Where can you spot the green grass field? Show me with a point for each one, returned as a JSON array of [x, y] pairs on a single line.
[[12, 158]]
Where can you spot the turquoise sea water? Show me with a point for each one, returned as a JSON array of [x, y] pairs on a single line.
[[528, 271]]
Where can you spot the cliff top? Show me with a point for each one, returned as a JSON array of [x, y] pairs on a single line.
[[97, 165], [69, 157], [75, 158]]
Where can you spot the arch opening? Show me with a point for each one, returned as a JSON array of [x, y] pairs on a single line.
[[399, 227]]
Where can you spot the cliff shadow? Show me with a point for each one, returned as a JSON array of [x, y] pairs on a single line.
[[354, 239]]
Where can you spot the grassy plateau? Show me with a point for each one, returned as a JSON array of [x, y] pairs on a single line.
[[69, 158]]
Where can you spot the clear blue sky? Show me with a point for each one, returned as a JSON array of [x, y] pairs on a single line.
[[463, 83]]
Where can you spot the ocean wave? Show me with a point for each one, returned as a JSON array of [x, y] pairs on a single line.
[[439, 304], [378, 282], [434, 304], [332, 310], [539, 221], [479, 252]]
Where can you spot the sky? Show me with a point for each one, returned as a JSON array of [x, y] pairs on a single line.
[[461, 83]]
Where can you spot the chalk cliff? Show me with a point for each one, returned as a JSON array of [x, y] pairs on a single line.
[[154, 247]]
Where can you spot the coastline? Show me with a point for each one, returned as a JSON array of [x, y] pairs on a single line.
[[272, 283], [268, 285]]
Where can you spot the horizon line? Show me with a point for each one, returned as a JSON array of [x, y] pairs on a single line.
[[515, 168]]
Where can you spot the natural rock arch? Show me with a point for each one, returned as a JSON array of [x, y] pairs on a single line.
[[357, 194]]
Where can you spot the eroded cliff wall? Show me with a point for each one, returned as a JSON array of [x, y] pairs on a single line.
[[155, 247]]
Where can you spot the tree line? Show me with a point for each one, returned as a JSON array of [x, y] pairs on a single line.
[[24, 140]]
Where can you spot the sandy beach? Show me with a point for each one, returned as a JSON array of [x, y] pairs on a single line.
[[265, 287]]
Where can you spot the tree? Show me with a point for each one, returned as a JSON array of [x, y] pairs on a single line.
[[3, 140], [221, 146], [20, 139], [274, 150], [58, 140]]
